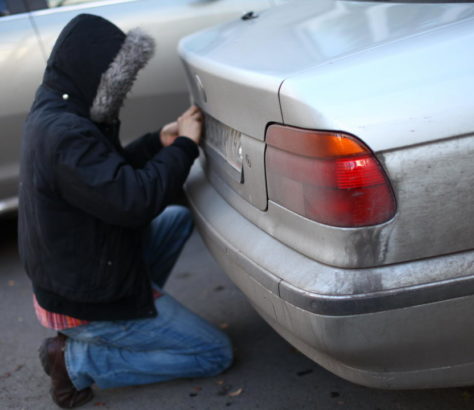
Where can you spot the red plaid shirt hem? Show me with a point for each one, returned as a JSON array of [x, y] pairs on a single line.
[[58, 321]]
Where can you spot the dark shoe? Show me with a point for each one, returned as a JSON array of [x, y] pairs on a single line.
[[63, 392]]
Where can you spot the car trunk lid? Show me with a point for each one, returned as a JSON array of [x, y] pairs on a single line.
[[244, 85]]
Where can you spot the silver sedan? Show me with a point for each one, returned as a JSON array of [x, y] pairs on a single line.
[[336, 185], [29, 28]]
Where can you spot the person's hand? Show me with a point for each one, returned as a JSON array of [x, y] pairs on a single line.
[[190, 124], [169, 133]]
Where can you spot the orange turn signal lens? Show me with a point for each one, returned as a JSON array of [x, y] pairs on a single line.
[[302, 142]]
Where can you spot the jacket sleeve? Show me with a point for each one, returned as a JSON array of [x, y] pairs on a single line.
[[92, 176], [141, 150]]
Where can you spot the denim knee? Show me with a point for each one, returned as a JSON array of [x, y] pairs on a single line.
[[215, 361], [182, 220], [185, 218]]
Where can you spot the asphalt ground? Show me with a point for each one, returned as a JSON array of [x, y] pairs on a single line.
[[268, 373]]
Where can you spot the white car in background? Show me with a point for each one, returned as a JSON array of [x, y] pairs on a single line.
[[29, 28], [336, 186]]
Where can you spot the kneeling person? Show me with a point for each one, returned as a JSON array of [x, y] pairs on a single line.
[[96, 234]]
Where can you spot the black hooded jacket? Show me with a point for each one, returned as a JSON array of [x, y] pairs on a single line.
[[85, 200]]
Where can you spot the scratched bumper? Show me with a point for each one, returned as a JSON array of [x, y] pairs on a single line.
[[411, 336]]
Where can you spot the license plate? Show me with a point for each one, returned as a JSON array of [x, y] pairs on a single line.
[[225, 141]]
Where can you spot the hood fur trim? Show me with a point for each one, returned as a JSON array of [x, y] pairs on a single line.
[[115, 83]]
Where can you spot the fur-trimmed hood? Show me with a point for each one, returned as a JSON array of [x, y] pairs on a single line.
[[94, 64], [116, 82]]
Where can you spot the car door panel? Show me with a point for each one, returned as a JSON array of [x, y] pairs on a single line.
[[20, 57]]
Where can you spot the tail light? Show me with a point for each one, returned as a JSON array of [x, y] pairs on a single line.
[[329, 177]]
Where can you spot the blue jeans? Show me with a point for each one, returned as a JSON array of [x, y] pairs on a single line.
[[177, 343]]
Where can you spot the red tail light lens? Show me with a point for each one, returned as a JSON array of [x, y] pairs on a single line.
[[332, 178]]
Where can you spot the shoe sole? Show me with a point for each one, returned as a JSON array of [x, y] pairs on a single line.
[[68, 405]]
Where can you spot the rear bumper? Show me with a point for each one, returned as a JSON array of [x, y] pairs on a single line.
[[415, 336]]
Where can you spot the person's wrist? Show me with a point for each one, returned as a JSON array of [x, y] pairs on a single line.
[[195, 140], [187, 144]]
